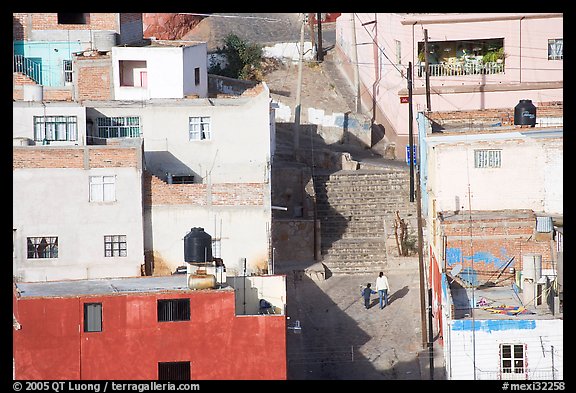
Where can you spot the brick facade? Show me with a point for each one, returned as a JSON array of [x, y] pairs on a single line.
[[158, 192], [75, 157], [487, 245], [94, 76], [94, 21]]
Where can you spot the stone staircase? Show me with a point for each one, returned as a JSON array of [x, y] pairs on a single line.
[[357, 211]]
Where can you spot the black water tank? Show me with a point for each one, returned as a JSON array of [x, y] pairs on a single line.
[[197, 246], [525, 113]]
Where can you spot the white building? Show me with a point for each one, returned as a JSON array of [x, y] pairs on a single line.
[[163, 69], [77, 212]]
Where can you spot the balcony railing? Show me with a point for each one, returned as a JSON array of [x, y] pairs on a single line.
[[457, 69], [28, 67], [530, 374]]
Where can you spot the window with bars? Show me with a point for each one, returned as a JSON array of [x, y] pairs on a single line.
[[199, 128], [555, 49], [42, 247], [487, 158], [512, 358], [92, 317], [197, 76], [174, 371], [55, 128], [171, 310], [102, 188], [115, 246], [67, 67], [398, 45], [118, 127]]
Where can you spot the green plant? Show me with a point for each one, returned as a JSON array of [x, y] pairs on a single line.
[[244, 59], [494, 55]]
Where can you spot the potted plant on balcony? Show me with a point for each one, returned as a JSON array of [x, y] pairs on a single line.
[[494, 56]]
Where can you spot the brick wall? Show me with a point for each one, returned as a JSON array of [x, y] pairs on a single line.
[[96, 21], [48, 93], [493, 243], [74, 157], [129, 17], [94, 78], [19, 26], [158, 192]]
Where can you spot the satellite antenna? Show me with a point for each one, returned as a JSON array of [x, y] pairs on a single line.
[[454, 272]]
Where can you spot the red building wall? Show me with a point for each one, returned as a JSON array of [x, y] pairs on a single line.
[[52, 343]]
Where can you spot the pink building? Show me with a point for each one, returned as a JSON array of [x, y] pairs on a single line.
[[476, 61]]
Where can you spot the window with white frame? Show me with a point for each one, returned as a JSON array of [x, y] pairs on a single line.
[[67, 67], [42, 247], [118, 127], [102, 188], [115, 246], [55, 128], [487, 158], [398, 45], [512, 359], [199, 129], [555, 49]]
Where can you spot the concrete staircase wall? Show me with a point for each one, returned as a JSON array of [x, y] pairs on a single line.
[[357, 210]]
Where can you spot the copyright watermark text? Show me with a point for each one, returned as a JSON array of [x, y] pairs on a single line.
[[100, 387]]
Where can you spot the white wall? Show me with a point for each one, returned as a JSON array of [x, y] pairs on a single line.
[[239, 150], [55, 202], [23, 119], [242, 230], [479, 347], [527, 178], [170, 71]]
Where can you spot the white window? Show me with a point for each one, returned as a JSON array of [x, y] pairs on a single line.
[[398, 51], [512, 362], [555, 49], [55, 128], [199, 128], [115, 246], [102, 188], [487, 158], [118, 127]]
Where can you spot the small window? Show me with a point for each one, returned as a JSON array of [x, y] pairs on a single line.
[[555, 49], [487, 158], [42, 247], [102, 188], [199, 128], [115, 246], [67, 67], [171, 310], [398, 52], [512, 358], [92, 317], [197, 76], [175, 371], [55, 128], [118, 127]]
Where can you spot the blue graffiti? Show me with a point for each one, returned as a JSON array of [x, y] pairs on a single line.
[[453, 255], [493, 325]]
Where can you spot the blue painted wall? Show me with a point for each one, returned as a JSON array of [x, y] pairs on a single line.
[[50, 55], [492, 325]]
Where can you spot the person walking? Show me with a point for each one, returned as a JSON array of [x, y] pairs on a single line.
[[382, 288], [366, 292]]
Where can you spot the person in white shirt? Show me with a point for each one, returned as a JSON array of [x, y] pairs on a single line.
[[382, 287]]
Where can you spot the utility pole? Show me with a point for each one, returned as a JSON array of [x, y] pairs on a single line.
[[319, 51], [355, 65], [297, 109], [410, 133], [428, 106]]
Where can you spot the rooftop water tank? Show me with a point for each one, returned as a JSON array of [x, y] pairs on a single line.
[[33, 92], [197, 246], [525, 113]]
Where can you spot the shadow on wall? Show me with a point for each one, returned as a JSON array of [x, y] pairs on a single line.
[[169, 168]]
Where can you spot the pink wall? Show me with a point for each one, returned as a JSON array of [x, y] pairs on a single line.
[[528, 72], [218, 344]]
